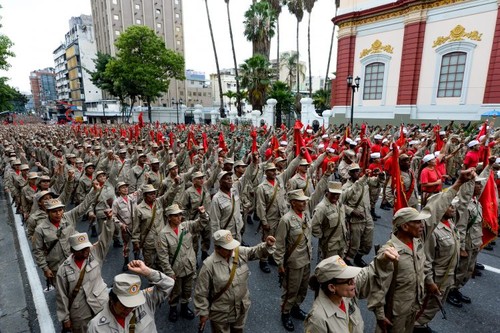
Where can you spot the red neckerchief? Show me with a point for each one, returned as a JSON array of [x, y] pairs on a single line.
[[79, 263], [410, 245], [300, 215], [125, 198], [56, 224], [272, 182], [17, 172], [342, 306], [198, 190], [446, 223], [34, 187], [176, 230]]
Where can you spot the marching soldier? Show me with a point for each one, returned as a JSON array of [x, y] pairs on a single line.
[[137, 175]]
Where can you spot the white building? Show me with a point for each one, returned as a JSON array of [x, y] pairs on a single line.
[[418, 60]]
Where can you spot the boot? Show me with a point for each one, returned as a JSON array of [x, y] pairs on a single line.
[[204, 255], [372, 213], [116, 243], [454, 299], [287, 322], [173, 315], [375, 214], [125, 264], [264, 266], [297, 313], [94, 232], [186, 312], [249, 219], [463, 298], [358, 261], [271, 261], [479, 266]]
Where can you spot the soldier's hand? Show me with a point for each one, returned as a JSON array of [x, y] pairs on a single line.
[[281, 270], [136, 247], [433, 289], [270, 240], [357, 214], [91, 216], [177, 179], [108, 212], [391, 253], [384, 324], [38, 164], [266, 227], [463, 254], [139, 267], [71, 174], [67, 325], [467, 175], [202, 210], [303, 151], [48, 274], [203, 322]]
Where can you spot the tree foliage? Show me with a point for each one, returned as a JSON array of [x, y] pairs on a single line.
[[260, 25], [321, 100], [255, 75]]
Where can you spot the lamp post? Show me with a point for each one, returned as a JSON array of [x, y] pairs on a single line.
[[354, 86], [179, 102]]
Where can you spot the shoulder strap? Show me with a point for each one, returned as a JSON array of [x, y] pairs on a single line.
[[231, 276], [131, 324], [150, 225], [294, 246], [273, 197], [232, 213], [178, 249], [77, 288], [119, 171], [390, 293], [360, 197]]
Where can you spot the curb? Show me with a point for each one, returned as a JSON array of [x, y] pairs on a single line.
[[42, 310]]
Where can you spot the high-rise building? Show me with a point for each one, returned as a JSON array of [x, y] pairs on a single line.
[[43, 88], [198, 89], [112, 17]]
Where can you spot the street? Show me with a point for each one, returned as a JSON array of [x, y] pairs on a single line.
[[264, 314]]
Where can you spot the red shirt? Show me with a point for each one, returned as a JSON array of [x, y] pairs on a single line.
[[333, 159], [384, 151], [430, 176], [375, 148], [471, 159]]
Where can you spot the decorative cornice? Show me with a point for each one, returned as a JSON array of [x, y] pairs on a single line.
[[377, 47], [389, 11], [457, 34]]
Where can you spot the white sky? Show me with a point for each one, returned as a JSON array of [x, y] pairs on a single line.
[[37, 27]]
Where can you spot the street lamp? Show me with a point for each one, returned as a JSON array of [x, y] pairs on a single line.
[[354, 88], [180, 102]]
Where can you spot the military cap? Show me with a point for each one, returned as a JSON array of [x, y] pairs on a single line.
[[41, 194], [78, 160], [16, 162], [334, 267], [408, 214], [279, 159], [354, 166], [122, 151], [98, 173], [335, 187], [141, 153], [53, 204], [297, 195], [120, 184], [154, 161], [127, 287], [171, 165], [223, 173], [154, 145], [32, 175], [304, 162], [224, 239], [44, 178], [24, 167], [79, 241], [197, 174], [89, 164], [269, 166], [148, 188], [240, 163], [228, 161], [173, 210]]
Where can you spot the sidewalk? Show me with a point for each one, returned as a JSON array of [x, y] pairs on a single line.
[[14, 312]]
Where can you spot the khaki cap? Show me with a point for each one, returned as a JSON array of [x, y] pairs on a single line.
[[78, 160], [224, 239], [53, 204], [127, 287], [154, 161], [173, 210], [304, 162], [354, 166], [404, 157], [141, 153], [41, 194], [89, 164], [122, 151], [44, 178], [240, 163], [171, 165], [408, 214], [222, 174], [32, 175], [154, 145], [120, 184], [197, 174], [24, 167], [335, 187], [16, 162], [228, 161], [97, 147], [148, 188], [79, 241], [279, 159], [270, 166], [70, 155], [297, 195], [98, 173], [334, 268]]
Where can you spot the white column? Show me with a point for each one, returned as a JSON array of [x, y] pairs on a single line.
[[255, 117], [213, 116], [270, 112], [198, 114], [232, 116], [326, 117]]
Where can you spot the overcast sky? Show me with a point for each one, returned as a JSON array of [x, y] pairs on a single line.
[[37, 27]]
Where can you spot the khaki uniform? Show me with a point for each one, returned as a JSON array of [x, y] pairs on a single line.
[[220, 213], [184, 267], [190, 201], [137, 177], [145, 232], [168, 182], [228, 313], [84, 186], [271, 204], [355, 196], [298, 182], [442, 252], [105, 322], [27, 194], [326, 317], [328, 225], [155, 179], [123, 211], [409, 287], [343, 171], [47, 234], [93, 294], [102, 202]]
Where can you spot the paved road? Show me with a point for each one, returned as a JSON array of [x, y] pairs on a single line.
[[264, 315]]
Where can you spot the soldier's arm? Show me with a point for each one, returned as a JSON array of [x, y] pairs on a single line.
[[196, 226], [281, 245], [38, 250], [290, 170], [317, 221], [62, 296], [162, 286], [66, 191], [77, 212], [136, 226], [163, 250], [215, 215], [101, 248], [204, 285], [258, 251], [383, 274], [430, 253], [261, 204]]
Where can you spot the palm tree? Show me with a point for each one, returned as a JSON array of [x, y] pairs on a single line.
[[321, 100], [280, 91], [230, 95], [260, 21], [309, 4], [256, 74], [276, 5], [290, 60], [337, 4], [238, 101], [296, 7], [221, 108]]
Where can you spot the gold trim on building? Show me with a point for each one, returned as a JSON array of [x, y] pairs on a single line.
[[457, 34], [399, 13], [377, 47]]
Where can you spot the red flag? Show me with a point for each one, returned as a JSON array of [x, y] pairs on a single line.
[[400, 200], [157, 124], [283, 127], [253, 134], [489, 203], [364, 160], [274, 144], [402, 138], [141, 120], [205, 141], [347, 134], [171, 137], [232, 127], [299, 143], [137, 131], [482, 131], [159, 137], [222, 142], [190, 140], [439, 141], [362, 133]]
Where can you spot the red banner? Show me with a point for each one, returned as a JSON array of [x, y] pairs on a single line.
[[397, 187], [489, 203]]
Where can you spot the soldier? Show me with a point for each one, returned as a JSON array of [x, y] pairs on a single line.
[[27, 194], [137, 175], [172, 177], [81, 291], [155, 176], [409, 181], [328, 223], [348, 158], [356, 200], [50, 240], [85, 182], [398, 288], [103, 201], [294, 252], [301, 180], [221, 292], [130, 308], [177, 258], [148, 221]]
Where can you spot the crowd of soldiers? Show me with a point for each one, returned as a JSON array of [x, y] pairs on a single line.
[[167, 193]]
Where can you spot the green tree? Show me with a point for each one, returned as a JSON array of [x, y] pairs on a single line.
[[256, 74], [308, 5], [238, 101], [231, 94], [7, 95], [296, 7], [146, 65], [5, 52], [321, 100], [290, 61], [260, 24], [221, 96], [276, 5], [281, 92]]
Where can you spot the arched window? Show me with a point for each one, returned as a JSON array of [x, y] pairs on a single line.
[[451, 76], [373, 84]]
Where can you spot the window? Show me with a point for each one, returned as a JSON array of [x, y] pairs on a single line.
[[137, 7], [116, 17], [117, 32], [158, 12], [138, 21], [374, 81], [158, 25], [115, 2], [177, 15], [451, 76]]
